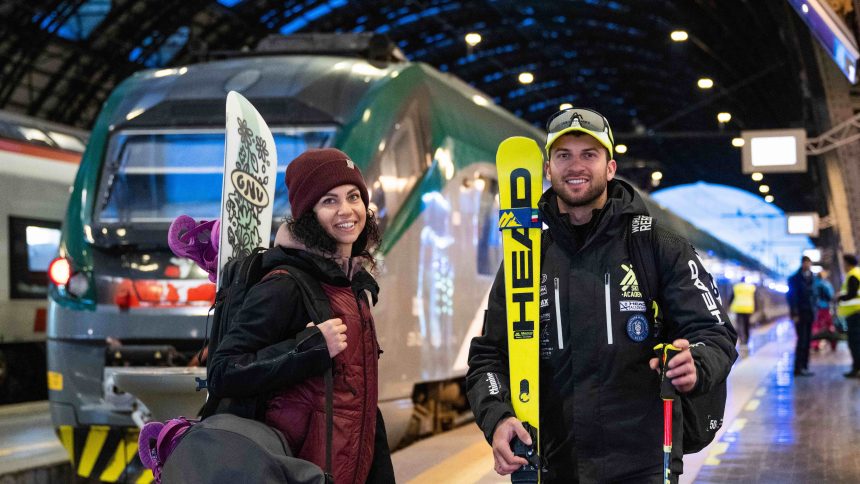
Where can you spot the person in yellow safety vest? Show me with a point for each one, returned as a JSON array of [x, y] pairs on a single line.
[[849, 308], [743, 305]]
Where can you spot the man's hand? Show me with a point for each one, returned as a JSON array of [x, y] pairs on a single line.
[[506, 461], [682, 369]]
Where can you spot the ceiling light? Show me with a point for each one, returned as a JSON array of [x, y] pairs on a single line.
[[679, 35], [526, 78], [564, 106], [724, 117], [657, 175], [737, 142], [768, 199], [763, 188], [621, 149], [473, 38], [705, 83], [757, 176]]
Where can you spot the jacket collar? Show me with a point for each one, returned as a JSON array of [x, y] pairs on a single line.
[[611, 221]]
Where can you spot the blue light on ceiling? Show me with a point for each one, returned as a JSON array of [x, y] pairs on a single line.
[[229, 3], [80, 25], [527, 22], [311, 15]]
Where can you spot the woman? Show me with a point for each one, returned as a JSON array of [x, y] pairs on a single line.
[[270, 363]]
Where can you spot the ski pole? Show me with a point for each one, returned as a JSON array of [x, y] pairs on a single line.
[[665, 352]]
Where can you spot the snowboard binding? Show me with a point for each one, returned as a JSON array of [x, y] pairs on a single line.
[[196, 241]]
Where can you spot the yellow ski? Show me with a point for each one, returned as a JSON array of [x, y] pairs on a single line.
[[519, 162]]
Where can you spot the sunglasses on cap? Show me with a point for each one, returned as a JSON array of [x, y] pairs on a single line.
[[580, 119]]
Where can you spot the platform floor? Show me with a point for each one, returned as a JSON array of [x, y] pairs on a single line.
[[778, 428]]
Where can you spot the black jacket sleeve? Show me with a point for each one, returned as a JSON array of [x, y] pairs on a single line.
[[268, 345], [692, 305], [487, 380]]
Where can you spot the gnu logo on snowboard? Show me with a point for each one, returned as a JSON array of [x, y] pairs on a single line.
[[249, 188]]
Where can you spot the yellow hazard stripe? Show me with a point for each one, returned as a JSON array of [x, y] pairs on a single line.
[[145, 478], [125, 452], [67, 437], [92, 448]]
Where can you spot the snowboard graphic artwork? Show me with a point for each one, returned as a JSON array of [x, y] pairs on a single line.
[[250, 169], [519, 163]]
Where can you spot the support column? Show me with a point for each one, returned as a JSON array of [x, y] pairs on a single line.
[[843, 167]]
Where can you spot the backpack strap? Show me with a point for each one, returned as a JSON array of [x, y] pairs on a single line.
[[640, 247], [319, 309]]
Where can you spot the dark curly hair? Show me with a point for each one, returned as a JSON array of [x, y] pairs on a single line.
[[307, 230]]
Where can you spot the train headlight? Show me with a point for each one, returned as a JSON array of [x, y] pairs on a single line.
[[78, 284], [60, 271]]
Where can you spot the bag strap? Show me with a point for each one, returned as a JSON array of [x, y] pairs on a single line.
[[640, 247], [319, 309]]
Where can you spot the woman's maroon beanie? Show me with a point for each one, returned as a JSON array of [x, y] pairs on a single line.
[[316, 171]]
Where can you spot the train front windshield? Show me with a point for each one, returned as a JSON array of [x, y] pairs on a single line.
[[151, 177]]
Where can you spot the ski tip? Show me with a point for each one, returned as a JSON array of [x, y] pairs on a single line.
[[519, 148]]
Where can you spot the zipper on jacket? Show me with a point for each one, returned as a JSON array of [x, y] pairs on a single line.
[[558, 315], [608, 308]]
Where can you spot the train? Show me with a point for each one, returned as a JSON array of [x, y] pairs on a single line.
[[425, 142], [38, 162]]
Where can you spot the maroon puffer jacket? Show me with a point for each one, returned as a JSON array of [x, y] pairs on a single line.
[[299, 411]]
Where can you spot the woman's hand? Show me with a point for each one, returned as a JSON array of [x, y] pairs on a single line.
[[334, 332]]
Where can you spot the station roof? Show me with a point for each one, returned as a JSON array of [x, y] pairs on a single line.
[[61, 59]]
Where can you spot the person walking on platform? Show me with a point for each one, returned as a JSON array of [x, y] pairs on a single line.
[[849, 308], [743, 306], [270, 364], [823, 327], [801, 302], [601, 416]]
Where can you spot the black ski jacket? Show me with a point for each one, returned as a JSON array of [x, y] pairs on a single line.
[[601, 414]]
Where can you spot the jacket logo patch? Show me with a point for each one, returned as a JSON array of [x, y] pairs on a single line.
[[636, 306], [494, 384], [629, 284], [641, 223], [637, 328], [711, 303]]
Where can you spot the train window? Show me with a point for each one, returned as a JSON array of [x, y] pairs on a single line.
[[396, 169], [157, 176], [489, 237], [32, 246]]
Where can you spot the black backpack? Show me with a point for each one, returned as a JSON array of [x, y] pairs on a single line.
[[238, 276], [702, 414]]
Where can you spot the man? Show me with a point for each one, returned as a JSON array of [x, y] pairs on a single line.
[[801, 303], [849, 308], [601, 417]]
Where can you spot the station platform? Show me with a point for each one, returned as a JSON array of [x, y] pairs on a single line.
[[777, 428]]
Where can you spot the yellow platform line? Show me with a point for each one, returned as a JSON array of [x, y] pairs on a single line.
[[469, 465], [752, 405], [717, 449]]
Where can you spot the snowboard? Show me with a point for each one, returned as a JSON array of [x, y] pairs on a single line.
[[248, 191], [519, 163]]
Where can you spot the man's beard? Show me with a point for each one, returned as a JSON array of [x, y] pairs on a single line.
[[587, 198]]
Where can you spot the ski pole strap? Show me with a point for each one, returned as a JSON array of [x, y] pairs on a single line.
[[519, 218], [665, 352]]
